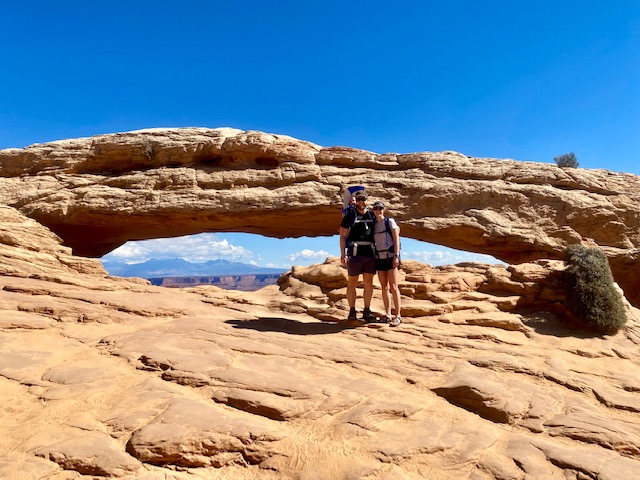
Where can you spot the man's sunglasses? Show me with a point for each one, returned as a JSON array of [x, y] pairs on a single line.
[[360, 199]]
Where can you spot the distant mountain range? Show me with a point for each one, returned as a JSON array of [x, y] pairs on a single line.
[[177, 267]]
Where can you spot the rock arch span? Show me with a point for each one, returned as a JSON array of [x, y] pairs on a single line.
[[99, 192]]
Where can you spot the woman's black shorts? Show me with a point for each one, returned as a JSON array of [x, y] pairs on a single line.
[[384, 264]]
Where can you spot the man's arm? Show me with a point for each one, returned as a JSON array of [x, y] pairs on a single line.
[[343, 245]]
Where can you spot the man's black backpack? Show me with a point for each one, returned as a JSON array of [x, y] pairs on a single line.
[[360, 236]]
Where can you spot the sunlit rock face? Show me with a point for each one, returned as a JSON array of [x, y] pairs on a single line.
[[97, 193], [104, 377]]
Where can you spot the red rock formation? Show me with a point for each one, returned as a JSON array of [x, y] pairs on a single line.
[[97, 193]]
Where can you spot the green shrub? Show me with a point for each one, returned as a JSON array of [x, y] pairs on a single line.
[[567, 160], [593, 298]]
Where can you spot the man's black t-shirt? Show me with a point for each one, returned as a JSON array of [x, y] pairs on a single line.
[[360, 230]]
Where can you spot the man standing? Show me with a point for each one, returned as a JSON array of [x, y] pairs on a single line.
[[357, 252]]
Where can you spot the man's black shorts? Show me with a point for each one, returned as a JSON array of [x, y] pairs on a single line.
[[359, 264]]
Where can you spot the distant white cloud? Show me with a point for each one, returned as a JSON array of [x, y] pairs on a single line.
[[130, 252], [276, 265], [193, 248], [445, 257], [306, 255]]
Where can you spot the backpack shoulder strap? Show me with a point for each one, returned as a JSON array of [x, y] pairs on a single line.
[[386, 221]]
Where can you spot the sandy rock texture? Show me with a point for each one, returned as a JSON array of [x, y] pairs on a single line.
[[104, 377], [97, 193]]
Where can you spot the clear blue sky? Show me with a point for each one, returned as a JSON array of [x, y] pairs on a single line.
[[502, 79]]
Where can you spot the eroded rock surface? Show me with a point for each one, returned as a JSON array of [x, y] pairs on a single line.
[[111, 377], [99, 192]]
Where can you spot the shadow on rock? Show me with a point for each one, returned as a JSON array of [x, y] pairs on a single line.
[[287, 325], [547, 323]]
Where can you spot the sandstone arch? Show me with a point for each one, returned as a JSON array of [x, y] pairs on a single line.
[[97, 193]]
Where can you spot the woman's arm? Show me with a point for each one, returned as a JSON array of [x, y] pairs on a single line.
[[396, 245]]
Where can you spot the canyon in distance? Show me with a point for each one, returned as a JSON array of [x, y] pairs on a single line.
[[179, 273], [247, 283]]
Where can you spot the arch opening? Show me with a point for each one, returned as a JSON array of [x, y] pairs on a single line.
[[235, 254]]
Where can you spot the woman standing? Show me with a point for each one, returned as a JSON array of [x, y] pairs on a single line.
[[387, 242]]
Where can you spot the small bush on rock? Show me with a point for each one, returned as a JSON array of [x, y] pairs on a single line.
[[567, 160], [593, 298]]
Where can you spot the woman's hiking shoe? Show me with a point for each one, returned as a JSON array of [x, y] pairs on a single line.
[[395, 322], [386, 318], [368, 316]]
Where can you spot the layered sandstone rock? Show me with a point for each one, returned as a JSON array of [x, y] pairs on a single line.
[[97, 193], [116, 378]]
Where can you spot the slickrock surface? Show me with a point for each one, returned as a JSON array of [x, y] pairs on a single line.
[[97, 193], [110, 377]]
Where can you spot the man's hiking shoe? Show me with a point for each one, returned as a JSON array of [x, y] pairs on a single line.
[[395, 322], [353, 320], [368, 316]]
